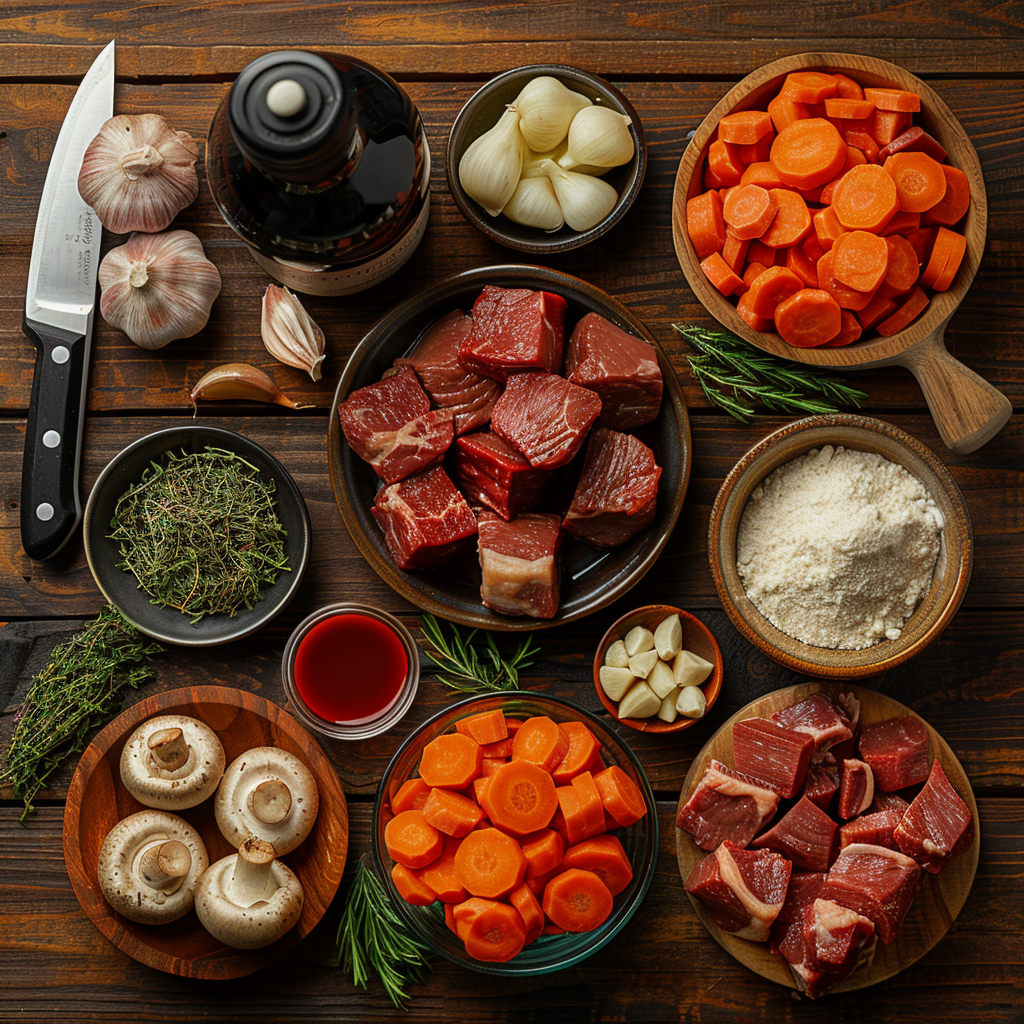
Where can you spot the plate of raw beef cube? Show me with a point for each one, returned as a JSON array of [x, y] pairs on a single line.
[[827, 837], [509, 448]]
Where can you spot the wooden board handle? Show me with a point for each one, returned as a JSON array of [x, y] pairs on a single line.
[[968, 410]]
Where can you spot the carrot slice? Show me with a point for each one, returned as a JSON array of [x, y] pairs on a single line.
[[442, 876], [894, 99], [792, 220], [578, 815], [411, 841], [411, 796], [720, 274], [503, 748], [604, 856], [902, 223], [922, 240], [486, 728], [770, 288], [784, 112], [704, 223], [543, 851], [496, 934], [920, 183], [583, 745], [490, 863], [903, 269], [529, 909], [451, 813], [914, 138], [521, 798], [847, 108], [724, 163], [761, 253], [809, 153], [620, 795], [750, 210], [956, 201], [887, 126], [880, 307], [752, 271], [944, 244], [759, 151], [744, 127], [863, 140], [847, 87], [449, 918], [538, 883], [540, 741], [808, 318], [799, 263], [712, 180], [591, 806], [828, 190], [451, 761], [513, 725], [848, 298], [865, 198], [752, 320], [813, 248], [860, 260], [411, 887], [761, 173], [905, 315], [480, 785], [809, 86], [466, 912], [577, 901], [957, 248], [734, 252], [849, 332], [827, 227]]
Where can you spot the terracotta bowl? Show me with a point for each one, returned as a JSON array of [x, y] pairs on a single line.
[[861, 433], [481, 113], [696, 637]]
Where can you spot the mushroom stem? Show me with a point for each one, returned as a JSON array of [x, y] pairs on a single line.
[[271, 801], [165, 865], [169, 748], [251, 881]]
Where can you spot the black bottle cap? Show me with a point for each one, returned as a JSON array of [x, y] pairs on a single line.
[[308, 137]]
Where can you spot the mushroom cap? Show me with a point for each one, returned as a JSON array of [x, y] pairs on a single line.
[[118, 867], [235, 816], [178, 788], [250, 927]]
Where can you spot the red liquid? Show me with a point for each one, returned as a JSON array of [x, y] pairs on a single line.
[[350, 667]]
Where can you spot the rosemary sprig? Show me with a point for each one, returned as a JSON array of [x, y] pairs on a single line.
[[372, 937], [468, 669], [730, 371]]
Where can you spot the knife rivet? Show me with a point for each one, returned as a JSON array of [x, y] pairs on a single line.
[[44, 511], [51, 439], [60, 354]]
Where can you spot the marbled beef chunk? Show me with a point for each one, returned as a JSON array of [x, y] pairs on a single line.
[[519, 564], [618, 490], [937, 825], [490, 471], [806, 835], [621, 368], [876, 829], [726, 804], [897, 751]]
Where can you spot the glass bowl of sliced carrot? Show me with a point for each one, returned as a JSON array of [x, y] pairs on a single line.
[[516, 833]]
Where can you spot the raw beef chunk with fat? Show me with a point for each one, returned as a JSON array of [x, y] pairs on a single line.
[[876, 829], [819, 717], [519, 564], [436, 361], [876, 882], [856, 790], [389, 425], [621, 368], [726, 805], [425, 520], [897, 750], [888, 802], [617, 494], [937, 825], [544, 417], [743, 890], [514, 329], [803, 889], [489, 470], [775, 756], [822, 782], [806, 835], [834, 935]]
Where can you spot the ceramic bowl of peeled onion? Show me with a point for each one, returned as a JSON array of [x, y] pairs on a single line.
[[840, 546], [546, 158]]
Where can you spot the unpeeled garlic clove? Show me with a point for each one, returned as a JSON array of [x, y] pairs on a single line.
[[239, 381], [585, 201], [534, 205], [546, 109], [138, 173], [157, 288], [290, 333], [598, 137], [490, 168]]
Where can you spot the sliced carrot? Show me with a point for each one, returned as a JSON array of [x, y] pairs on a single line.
[[480, 785], [540, 741], [724, 194], [914, 138], [734, 252], [490, 863], [860, 260], [513, 725], [901, 223], [577, 901], [956, 201], [880, 307], [744, 127], [854, 158], [826, 227], [792, 220], [449, 918], [543, 851], [752, 271], [849, 331], [865, 198], [828, 190], [958, 246], [805, 268], [604, 856], [529, 909], [553, 929], [411, 887], [538, 883], [920, 183], [411, 796], [922, 240], [945, 243], [809, 153], [521, 798], [704, 223], [712, 180], [720, 274], [620, 795], [411, 841], [761, 173], [466, 912], [808, 318], [496, 934], [809, 86], [759, 151], [500, 748], [487, 727], [784, 111], [749, 211], [848, 298], [887, 126], [770, 288], [451, 761], [903, 269], [905, 315], [894, 99], [451, 813], [847, 108], [752, 320], [578, 816], [591, 806], [443, 877], [863, 140], [583, 745], [724, 163], [761, 253], [558, 818], [847, 87], [813, 249]]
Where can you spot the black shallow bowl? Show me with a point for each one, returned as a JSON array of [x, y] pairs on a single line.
[[590, 579], [121, 588]]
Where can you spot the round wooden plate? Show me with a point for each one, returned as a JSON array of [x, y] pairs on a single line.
[[97, 800], [938, 901]]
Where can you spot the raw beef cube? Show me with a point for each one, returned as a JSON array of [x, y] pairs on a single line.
[[425, 520], [803, 889], [814, 983], [620, 367], [819, 717], [849, 705], [514, 329], [389, 425], [726, 805], [876, 829], [773, 755], [805, 834], [544, 417], [876, 882], [822, 781], [617, 494], [834, 935], [888, 802], [897, 750], [519, 564], [937, 825], [436, 361], [742, 890], [489, 470], [856, 790]]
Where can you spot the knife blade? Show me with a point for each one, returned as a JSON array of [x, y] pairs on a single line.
[[59, 305]]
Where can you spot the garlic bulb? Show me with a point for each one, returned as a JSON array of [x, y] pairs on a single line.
[[157, 288], [534, 205], [138, 173], [240, 381], [533, 162], [585, 201], [599, 137], [489, 170], [546, 108], [289, 332]]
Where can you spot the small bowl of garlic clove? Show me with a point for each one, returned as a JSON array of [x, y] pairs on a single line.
[[546, 158], [658, 669]]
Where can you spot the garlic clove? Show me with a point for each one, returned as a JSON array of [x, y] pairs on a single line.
[[290, 333], [546, 109], [534, 205], [138, 173], [533, 162], [585, 201], [490, 168], [598, 137], [239, 381], [157, 288]]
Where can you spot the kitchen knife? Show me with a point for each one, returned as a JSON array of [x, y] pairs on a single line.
[[59, 305]]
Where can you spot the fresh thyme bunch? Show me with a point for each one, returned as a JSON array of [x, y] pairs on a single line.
[[468, 669]]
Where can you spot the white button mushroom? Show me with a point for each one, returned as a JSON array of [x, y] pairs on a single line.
[[249, 899], [268, 794], [172, 762], [149, 865]]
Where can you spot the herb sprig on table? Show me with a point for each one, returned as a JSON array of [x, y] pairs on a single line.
[[734, 374], [472, 668]]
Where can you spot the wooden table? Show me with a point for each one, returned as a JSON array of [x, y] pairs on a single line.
[[673, 60]]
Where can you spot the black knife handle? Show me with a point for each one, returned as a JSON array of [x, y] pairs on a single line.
[[50, 507]]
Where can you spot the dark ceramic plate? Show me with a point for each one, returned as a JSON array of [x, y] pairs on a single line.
[[590, 579], [121, 589]]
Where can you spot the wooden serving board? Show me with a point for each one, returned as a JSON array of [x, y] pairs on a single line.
[[941, 896], [97, 800]]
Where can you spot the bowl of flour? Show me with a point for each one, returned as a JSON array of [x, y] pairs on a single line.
[[840, 546]]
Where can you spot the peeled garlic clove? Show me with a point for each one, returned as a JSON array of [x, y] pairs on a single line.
[[489, 170], [641, 664], [240, 381], [585, 201], [638, 640], [533, 162], [615, 681], [289, 332], [616, 655], [598, 136], [546, 108], [157, 288], [691, 702], [534, 205], [138, 173]]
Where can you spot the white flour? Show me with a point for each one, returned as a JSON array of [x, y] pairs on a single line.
[[837, 547]]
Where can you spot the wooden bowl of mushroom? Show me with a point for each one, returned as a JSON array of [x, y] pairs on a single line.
[[205, 832]]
